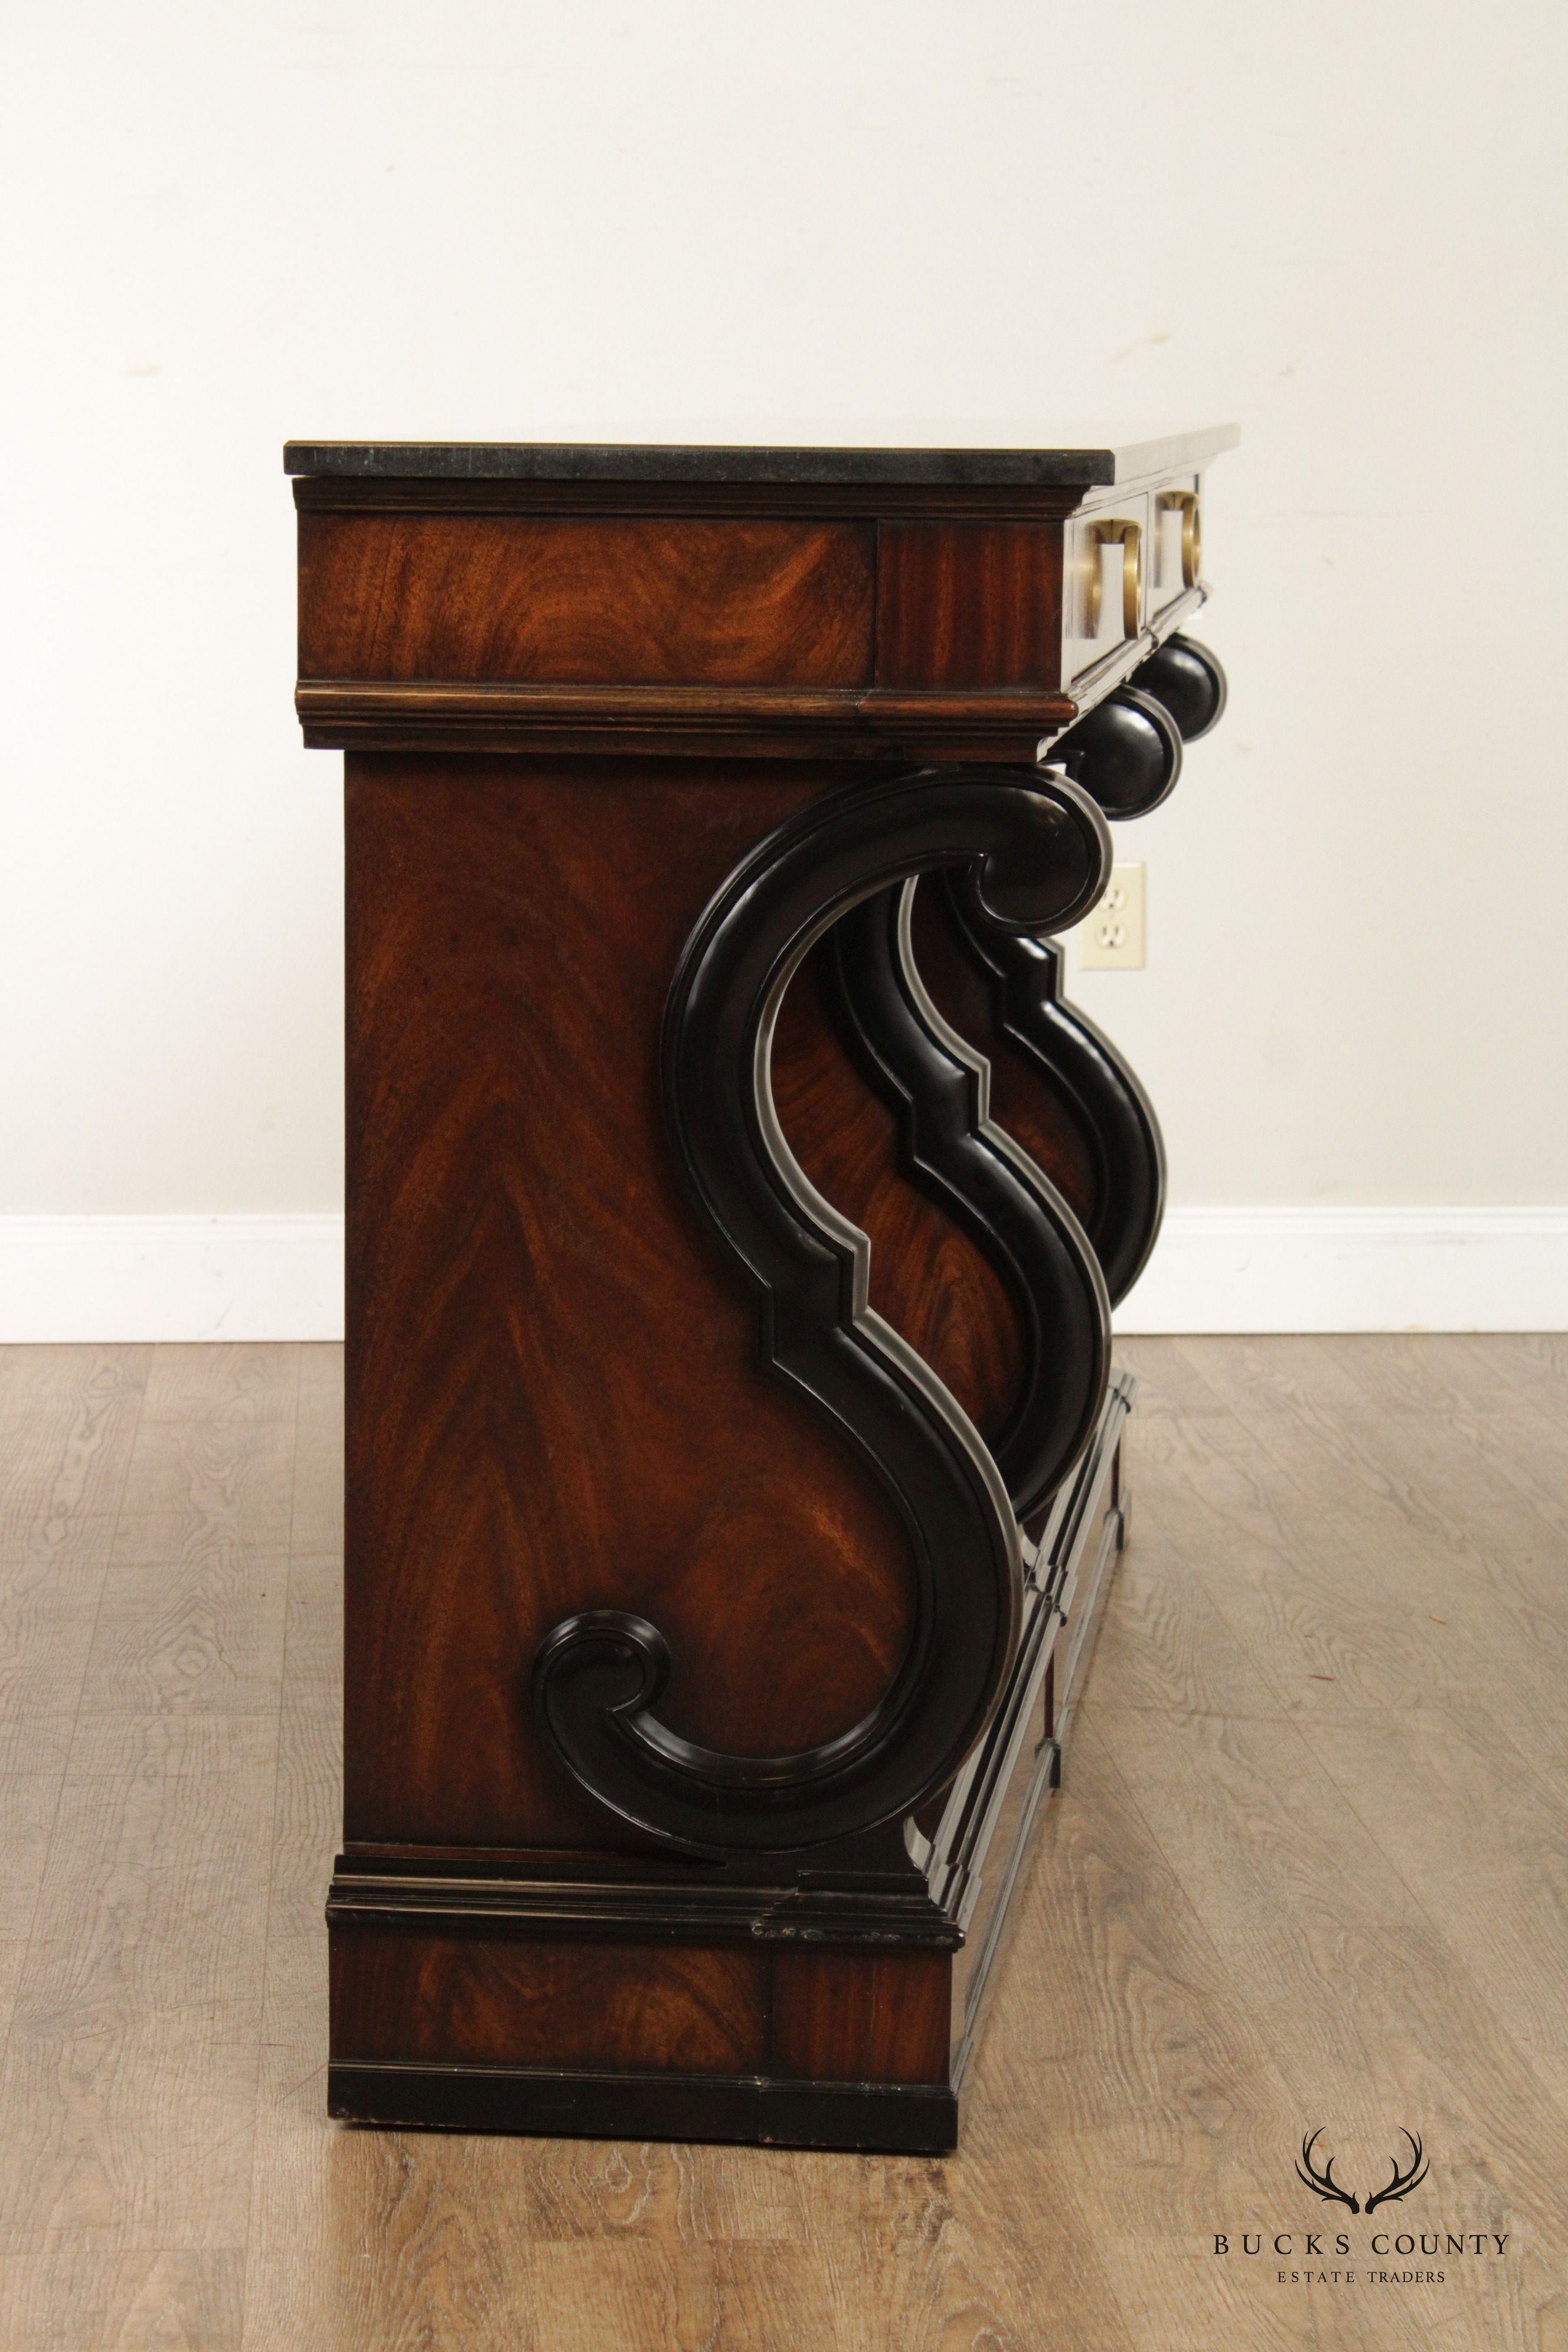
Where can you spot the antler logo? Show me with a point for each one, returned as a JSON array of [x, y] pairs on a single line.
[[1323, 2182], [1402, 2182], [1324, 2185]]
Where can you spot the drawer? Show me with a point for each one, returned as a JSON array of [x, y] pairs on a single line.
[[1104, 588], [1175, 542]]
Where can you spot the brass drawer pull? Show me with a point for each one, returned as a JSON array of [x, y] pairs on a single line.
[[1130, 538], [1186, 502]]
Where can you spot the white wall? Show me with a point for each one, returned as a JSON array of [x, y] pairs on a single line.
[[499, 218]]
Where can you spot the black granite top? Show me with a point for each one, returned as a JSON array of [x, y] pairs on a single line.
[[974, 462]]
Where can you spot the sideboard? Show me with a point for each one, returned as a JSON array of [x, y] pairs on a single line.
[[736, 1205]]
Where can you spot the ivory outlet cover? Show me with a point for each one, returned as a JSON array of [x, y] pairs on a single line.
[[1112, 939]]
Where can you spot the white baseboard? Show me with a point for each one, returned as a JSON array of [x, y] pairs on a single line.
[[171, 1277], [281, 1278], [1354, 1270]]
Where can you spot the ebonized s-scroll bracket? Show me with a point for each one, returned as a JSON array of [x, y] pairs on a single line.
[[1113, 1114], [1126, 755], [1032, 852], [952, 1151]]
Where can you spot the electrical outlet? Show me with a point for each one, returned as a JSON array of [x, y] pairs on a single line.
[[1112, 939]]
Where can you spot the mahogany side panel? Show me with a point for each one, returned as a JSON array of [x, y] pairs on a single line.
[[880, 2017], [555, 1402], [972, 604], [472, 2000], [656, 601]]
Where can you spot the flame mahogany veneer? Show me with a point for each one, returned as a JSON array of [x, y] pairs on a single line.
[[733, 1459]]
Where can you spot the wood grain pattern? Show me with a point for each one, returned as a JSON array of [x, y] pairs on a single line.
[[68, 1418], [66, 1445], [459, 2000], [1234, 1917], [926, 1276], [969, 605], [1510, 1839], [780, 620], [77, 2294], [533, 1298], [853, 2018], [192, 1608], [637, 601], [504, 1098], [130, 2062]]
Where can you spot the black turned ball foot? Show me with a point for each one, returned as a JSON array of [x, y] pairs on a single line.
[[1127, 753], [1188, 679]]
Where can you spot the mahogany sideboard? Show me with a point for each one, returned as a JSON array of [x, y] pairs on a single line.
[[735, 1208]]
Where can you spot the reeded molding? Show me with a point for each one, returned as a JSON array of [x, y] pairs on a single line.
[[870, 721]]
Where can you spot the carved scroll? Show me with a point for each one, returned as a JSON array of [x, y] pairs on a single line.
[[1112, 1110], [953, 1152], [1037, 851]]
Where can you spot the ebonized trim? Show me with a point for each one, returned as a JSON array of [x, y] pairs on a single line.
[[871, 722], [1072, 1566], [635, 461], [1039, 852], [1127, 753], [912, 2119], [952, 1152], [561, 1905], [1120, 667], [1190, 681], [1113, 1111], [957, 1851], [900, 501]]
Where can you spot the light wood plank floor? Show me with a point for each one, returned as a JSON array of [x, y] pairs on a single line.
[[1310, 1868]]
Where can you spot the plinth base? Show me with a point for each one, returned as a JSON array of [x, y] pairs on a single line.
[[914, 2119], [835, 2012]]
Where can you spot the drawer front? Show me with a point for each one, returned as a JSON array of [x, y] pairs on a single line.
[[1105, 589], [1176, 541]]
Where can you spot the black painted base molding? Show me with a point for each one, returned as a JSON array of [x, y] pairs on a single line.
[[913, 2119]]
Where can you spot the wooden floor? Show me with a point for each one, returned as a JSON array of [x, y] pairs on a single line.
[[1309, 1867]]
